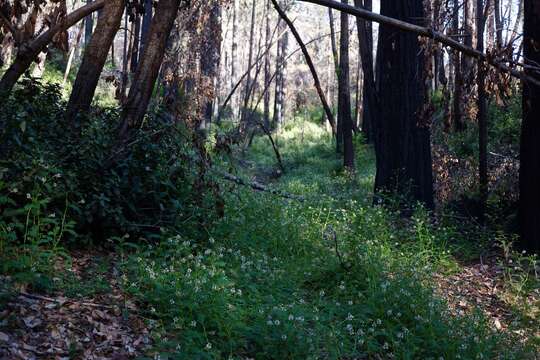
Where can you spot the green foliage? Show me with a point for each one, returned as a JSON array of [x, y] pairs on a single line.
[[83, 181], [329, 278]]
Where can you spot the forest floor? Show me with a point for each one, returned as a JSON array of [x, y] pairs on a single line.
[[327, 277]]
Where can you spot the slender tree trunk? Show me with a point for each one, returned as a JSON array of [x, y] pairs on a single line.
[[146, 21], [88, 26], [29, 51], [482, 109], [344, 90], [247, 89], [403, 139], [94, 59], [458, 75], [135, 45], [210, 56], [124, 85], [267, 80], [148, 69], [234, 42], [365, 42], [529, 177], [279, 97], [72, 54]]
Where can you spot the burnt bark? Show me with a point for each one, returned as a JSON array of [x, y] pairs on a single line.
[[404, 165], [529, 177], [482, 109]]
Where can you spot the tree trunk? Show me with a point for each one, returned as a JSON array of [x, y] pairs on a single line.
[[88, 26], [279, 97], [457, 119], [365, 41], [247, 89], [404, 164], [210, 56], [29, 51], [267, 80], [148, 69], [135, 45], [482, 110], [94, 59], [146, 21], [529, 183], [344, 91]]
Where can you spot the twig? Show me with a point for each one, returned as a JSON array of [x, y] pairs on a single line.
[[61, 303], [258, 186]]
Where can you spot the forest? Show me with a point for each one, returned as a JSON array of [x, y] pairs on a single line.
[[269, 179]]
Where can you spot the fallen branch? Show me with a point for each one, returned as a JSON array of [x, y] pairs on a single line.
[[62, 302], [259, 187]]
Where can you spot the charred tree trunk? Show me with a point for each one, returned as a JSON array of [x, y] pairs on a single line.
[[365, 41], [482, 109], [404, 164], [94, 59], [135, 45], [529, 183], [148, 69], [344, 93], [88, 26], [267, 80], [457, 119]]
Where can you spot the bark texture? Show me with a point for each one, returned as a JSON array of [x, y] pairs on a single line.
[[530, 145], [404, 165], [344, 97]]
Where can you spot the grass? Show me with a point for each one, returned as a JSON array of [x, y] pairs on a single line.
[[331, 278]]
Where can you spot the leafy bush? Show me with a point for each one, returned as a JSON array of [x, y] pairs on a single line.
[[102, 193]]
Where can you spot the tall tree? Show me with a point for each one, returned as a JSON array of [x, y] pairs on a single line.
[[403, 147], [344, 93], [146, 21], [88, 26], [148, 69], [481, 115], [210, 56], [457, 120], [365, 43], [281, 63], [529, 177], [267, 76], [94, 59]]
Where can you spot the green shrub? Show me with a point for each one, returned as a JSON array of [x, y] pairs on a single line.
[[152, 185]]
